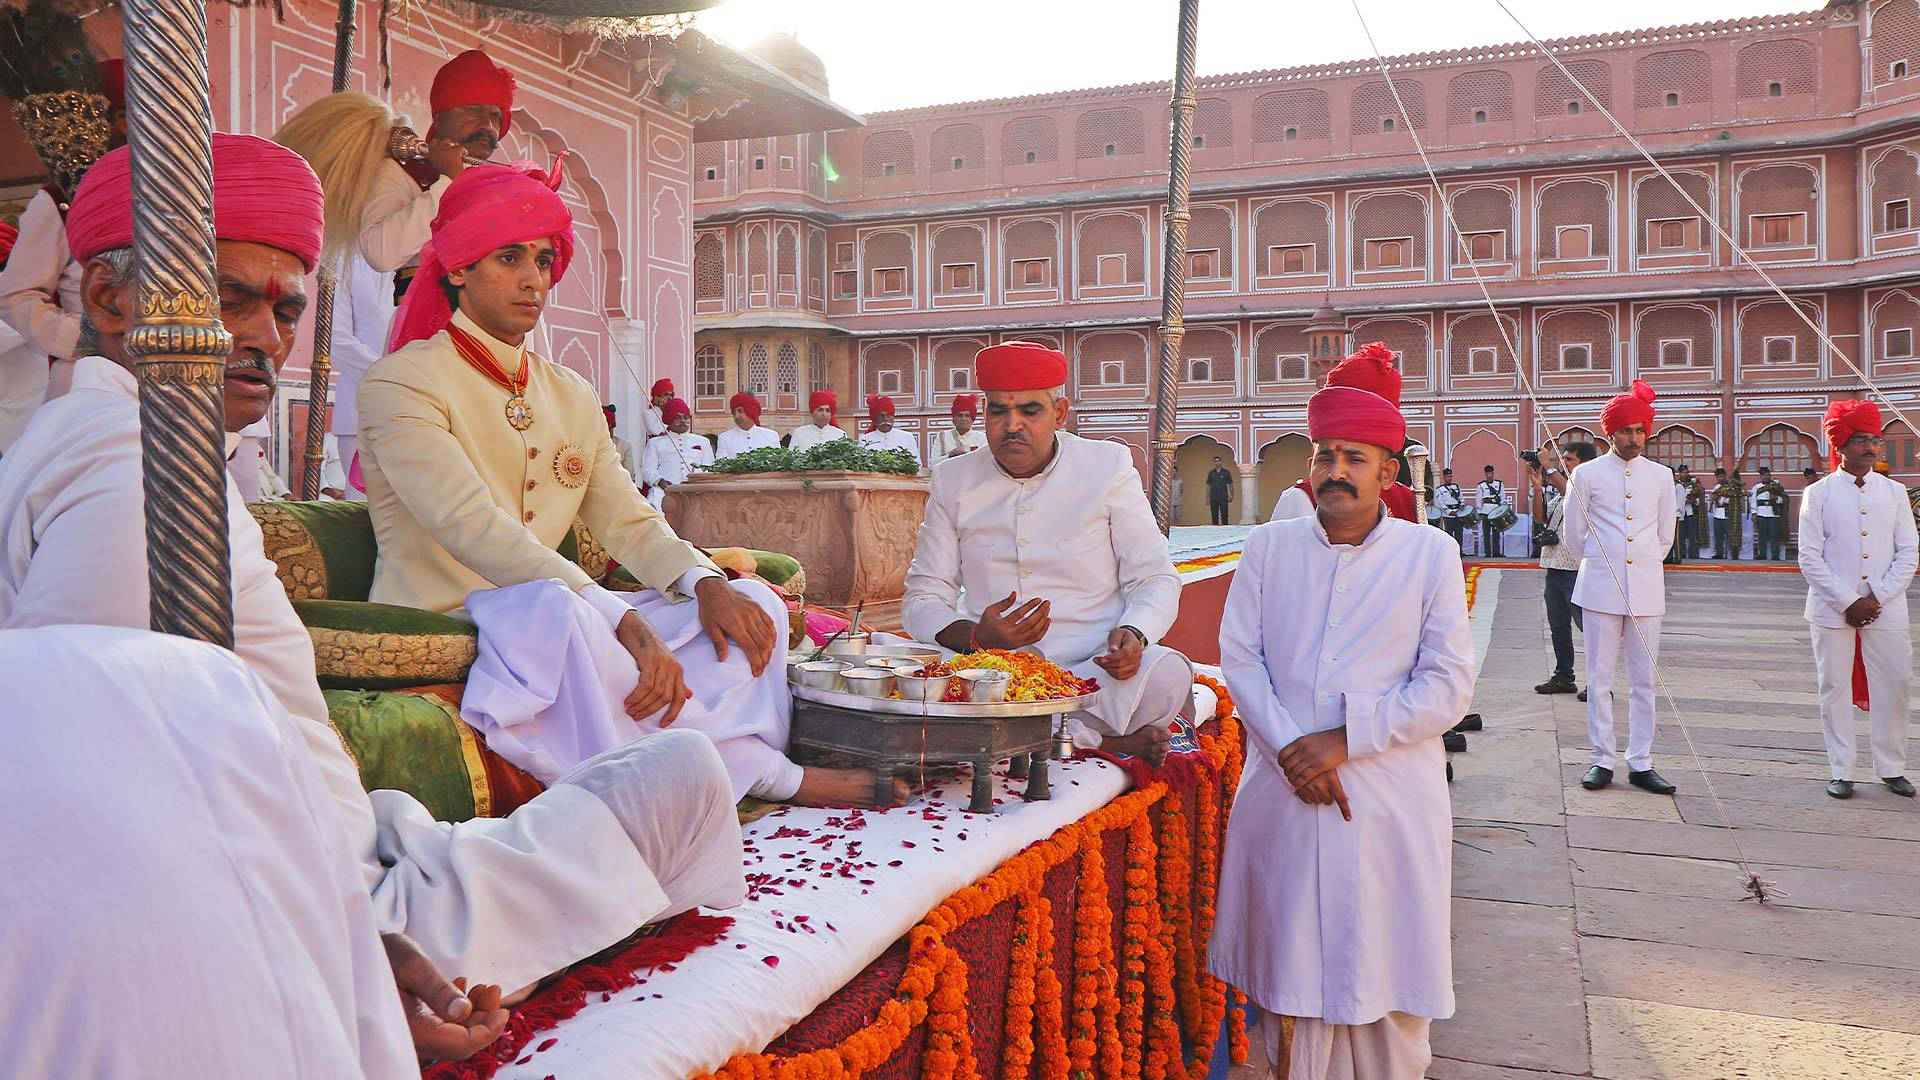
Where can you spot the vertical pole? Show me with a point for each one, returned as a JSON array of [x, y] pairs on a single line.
[[1173, 288], [320, 370], [178, 343]]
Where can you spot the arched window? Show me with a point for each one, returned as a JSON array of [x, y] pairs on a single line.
[[1676, 446], [1779, 448], [787, 368], [753, 371], [816, 367], [709, 372]]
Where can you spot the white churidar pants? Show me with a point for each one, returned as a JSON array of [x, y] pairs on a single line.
[[1889, 657], [1394, 1047], [1606, 635]]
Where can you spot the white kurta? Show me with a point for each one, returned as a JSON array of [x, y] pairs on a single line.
[[1080, 534], [671, 458], [652, 421], [479, 896], [942, 444], [1321, 917], [397, 220], [1293, 503], [23, 384], [362, 315], [1620, 523], [40, 288], [891, 440], [807, 436], [733, 441], [194, 908]]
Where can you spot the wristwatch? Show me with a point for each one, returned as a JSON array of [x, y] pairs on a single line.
[[1135, 631]]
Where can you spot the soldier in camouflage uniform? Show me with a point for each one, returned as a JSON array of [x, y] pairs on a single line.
[[1726, 502], [1690, 508], [1769, 517]]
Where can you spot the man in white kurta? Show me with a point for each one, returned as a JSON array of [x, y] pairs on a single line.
[[883, 435], [746, 434], [1048, 543], [673, 455], [1856, 523], [819, 427], [1620, 522], [653, 418], [963, 436], [1345, 644], [187, 904], [362, 315], [479, 896], [40, 301]]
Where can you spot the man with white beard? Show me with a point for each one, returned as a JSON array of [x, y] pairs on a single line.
[[1345, 645], [883, 435], [673, 455]]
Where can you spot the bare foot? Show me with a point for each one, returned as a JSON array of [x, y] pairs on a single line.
[[1149, 743], [844, 787]]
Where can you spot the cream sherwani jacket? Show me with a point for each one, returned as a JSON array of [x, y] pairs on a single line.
[[482, 897], [1620, 523], [1856, 542], [1321, 917], [733, 441], [461, 501], [807, 436]]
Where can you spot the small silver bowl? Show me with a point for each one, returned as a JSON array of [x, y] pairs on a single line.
[[868, 682], [820, 674], [848, 645], [985, 685], [913, 688], [886, 663]]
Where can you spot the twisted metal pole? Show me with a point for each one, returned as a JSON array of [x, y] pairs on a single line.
[[320, 369], [178, 343], [1174, 275]]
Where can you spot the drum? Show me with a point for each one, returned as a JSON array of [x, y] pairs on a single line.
[[1502, 518]]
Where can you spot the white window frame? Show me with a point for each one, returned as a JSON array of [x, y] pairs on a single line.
[[1889, 205], [959, 378], [760, 163], [1585, 348], [1491, 355], [1897, 70], [1277, 259], [1216, 275], [1499, 245], [786, 163], [946, 268], [873, 279], [843, 253], [1281, 368], [887, 169], [1100, 263], [1372, 244], [1113, 373], [1793, 349], [1046, 272], [1653, 227], [1758, 239], [1886, 343], [713, 172], [1660, 352], [1560, 241], [1198, 364], [887, 382], [846, 284]]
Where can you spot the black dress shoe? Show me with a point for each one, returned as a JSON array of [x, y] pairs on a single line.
[[1597, 778], [1583, 695], [1469, 722], [1899, 785], [1449, 772], [1649, 780], [1455, 742], [1556, 685], [1840, 789]]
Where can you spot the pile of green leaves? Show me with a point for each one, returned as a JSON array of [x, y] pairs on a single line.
[[838, 455]]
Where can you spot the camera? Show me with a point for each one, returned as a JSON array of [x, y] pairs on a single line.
[[1532, 458]]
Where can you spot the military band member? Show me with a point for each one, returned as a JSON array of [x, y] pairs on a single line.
[[1491, 495], [1769, 517], [1450, 501], [1725, 500], [1689, 512]]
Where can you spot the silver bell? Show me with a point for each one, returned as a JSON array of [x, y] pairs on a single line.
[[1062, 741]]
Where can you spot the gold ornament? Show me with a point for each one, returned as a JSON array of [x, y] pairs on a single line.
[[519, 413], [572, 466], [68, 129]]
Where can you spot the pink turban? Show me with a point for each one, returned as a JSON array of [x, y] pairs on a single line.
[[263, 193], [1019, 365], [487, 207], [1361, 401], [1845, 419], [1625, 410]]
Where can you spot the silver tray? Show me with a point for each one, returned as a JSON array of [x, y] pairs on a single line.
[[942, 710]]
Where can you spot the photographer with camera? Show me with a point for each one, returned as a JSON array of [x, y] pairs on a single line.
[[1562, 566]]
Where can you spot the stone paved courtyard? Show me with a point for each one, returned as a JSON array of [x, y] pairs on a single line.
[[1602, 934]]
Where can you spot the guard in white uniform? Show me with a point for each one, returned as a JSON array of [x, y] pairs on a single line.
[[1862, 652], [883, 435], [963, 436], [1620, 523], [1346, 646], [673, 455], [1047, 542], [746, 433], [820, 428]]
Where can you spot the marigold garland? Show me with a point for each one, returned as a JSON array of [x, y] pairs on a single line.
[[1117, 1019]]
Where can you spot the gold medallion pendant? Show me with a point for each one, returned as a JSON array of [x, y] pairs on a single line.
[[519, 413], [571, 466]]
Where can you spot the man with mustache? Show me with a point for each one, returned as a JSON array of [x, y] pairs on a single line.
[[1372, 369], [1047, 543], [1345, 643], [883, 435], [1862, 653], [630, 837], [1620, 524]]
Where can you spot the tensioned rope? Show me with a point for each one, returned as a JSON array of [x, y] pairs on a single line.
[[1751, 882]]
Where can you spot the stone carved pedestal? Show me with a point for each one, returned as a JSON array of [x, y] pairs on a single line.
[[853, 532]]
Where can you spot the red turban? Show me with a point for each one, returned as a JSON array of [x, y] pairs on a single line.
[[746, 402], [472, 78], [1019, 365], [263, 193], [662, 386], [8, 237], [609, 411], [823, 399], [878, 404], [1361, 401], [1844, 420], [970, 404], [487, 207], [1625, 410], [674, 408], [113, 82]]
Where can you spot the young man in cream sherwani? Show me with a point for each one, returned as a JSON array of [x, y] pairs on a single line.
[[1862, 652], [1619, 522], [1345, 644], [629, 838], [819, 428], [1047, 542]]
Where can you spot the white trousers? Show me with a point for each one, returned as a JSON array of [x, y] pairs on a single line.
[[1161, 690], [1606, 635], [1889, 657], [1394, 1047]]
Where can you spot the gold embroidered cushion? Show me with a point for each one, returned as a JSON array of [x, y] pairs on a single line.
[[364, 646], [321, 550]]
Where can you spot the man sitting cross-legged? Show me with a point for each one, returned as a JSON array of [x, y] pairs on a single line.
[[633, 836], [1046, 542], [479, 455]]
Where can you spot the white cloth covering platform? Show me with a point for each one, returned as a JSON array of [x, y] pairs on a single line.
[[811, 907]]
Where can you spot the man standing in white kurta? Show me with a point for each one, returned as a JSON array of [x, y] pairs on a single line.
[[672, 456], [963, 437], [746, 434], [1862, 653], [1619, 522], [1047, 542], [819, 428], [633, 836], [1345, 645], [882, 435]]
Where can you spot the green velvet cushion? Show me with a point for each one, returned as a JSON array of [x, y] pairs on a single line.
[[778, 569], [410, 743], [323, 550], [363, 646]]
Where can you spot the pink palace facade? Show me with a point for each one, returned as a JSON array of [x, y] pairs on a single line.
[[879, 259]]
